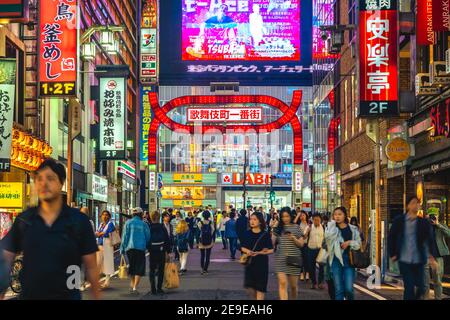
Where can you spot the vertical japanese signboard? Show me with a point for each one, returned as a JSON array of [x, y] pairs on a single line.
[[7, 107], [149, 41], [145, 120], [57, 47], [112, 144], [424, 23], [378, 58]]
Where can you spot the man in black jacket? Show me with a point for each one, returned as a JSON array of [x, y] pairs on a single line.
[[241, 225], [410, 242]]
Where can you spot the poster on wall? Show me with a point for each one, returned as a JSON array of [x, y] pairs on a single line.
[[378, 59], [58, 48], [112, 118], [241, 30], [7, 107]]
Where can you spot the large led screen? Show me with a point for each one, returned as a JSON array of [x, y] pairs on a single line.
[[241, 30]]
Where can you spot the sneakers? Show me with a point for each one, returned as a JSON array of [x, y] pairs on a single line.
[[160, 291], [134, 291], [204, 272]]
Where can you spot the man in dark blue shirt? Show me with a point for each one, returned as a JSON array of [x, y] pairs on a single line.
[[55, 240]]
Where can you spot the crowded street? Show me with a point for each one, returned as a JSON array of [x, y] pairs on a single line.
[[224, 150]]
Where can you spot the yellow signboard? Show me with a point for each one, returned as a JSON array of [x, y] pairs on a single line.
[[11, 195], [187, 193], [187, 178], [187, 203], [397, 150]]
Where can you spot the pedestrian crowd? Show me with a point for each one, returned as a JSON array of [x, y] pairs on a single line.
[[323, 249]]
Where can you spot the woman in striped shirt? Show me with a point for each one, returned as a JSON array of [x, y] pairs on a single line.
[[288, 257]]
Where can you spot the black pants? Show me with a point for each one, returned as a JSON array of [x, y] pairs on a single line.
[[191, 238], [224, 240], [157, 262], [205, 254], [331, 289]]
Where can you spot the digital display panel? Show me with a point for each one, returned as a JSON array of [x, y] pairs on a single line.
[[241, 30]]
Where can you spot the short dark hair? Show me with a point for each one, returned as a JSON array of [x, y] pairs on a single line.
[[56, 167], [243, 212], [317, 215], [206, 214], [412, 198]]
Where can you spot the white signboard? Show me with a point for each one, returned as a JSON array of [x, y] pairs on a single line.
[[7, 94], [298, 181], [112, 118], [99, 188], [152, 181], [224, 114]]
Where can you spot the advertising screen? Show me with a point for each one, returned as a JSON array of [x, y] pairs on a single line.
[[241, 30], [253, 42]]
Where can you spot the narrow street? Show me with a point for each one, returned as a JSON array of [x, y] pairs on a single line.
[[224, 282]]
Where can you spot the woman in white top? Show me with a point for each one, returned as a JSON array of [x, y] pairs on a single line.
[[105, 257], [315, 241]]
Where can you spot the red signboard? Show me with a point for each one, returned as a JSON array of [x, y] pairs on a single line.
[[440, 119], [378, 59], [58, 47], [441, 15], [424, 22], [224, 114]]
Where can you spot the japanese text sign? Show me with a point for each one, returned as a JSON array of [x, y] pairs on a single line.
[[378, 56], [7, 107], [112, 118], [11, 194], [58, 47], [224, 114]]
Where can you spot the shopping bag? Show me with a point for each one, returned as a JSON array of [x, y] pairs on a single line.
[[115, 238], [171, 279], [322, 257], [123, 269]]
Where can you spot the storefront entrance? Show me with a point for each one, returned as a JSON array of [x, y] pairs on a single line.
[[257, 198]]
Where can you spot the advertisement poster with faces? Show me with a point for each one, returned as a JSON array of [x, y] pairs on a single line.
[[241, 30]]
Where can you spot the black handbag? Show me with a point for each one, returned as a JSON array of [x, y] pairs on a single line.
[[294, 261], [360, 258]]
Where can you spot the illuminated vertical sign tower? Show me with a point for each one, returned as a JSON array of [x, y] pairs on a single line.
[[378, 58]]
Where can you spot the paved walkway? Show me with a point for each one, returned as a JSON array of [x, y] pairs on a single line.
[[223, 282]]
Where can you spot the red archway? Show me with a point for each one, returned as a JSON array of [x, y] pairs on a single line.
[[289, 116]]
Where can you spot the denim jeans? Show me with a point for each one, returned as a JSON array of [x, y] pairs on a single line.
[[343, 278], [413, 280], [312, 256], [233, 246], [224, 240]]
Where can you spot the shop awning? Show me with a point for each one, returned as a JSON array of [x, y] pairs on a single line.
[[439, 161]]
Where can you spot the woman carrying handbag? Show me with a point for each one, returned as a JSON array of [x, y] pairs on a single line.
[[288, 257], [256, 247]]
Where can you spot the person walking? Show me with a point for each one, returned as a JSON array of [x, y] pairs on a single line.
[[354, 222], [411, 243], [53, 239], [182, 243], [441, 234], [315, 241], [135, 240], [168, 227], [288, 240], [231, 234], [174, 223], [241, 225], [221, 227], [190, 220], [159, 248], [206, 228], [106, 249], [341, 237], [302, 220], [257, 245]]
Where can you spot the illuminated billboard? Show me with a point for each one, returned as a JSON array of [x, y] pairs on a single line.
[[241, 30], [253, 42]]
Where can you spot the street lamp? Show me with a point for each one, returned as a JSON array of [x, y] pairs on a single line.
[[107, 38], [88, 51]]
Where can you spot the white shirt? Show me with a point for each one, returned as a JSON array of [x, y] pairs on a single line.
[[316, 235]]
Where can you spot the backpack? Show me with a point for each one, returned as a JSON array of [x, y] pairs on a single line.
[[182, 242], [205, 234]]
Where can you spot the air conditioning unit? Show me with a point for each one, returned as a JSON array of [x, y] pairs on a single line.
[[423, 85], [438, 73], [332, 48]]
